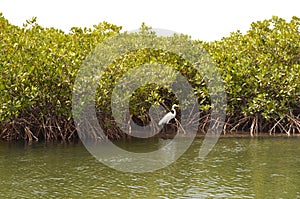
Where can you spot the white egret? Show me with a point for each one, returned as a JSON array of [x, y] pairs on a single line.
[[166, 119]]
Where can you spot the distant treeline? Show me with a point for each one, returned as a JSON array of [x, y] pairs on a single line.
[[38, 67]]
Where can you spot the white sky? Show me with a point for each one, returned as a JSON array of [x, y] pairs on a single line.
[[205, 20]]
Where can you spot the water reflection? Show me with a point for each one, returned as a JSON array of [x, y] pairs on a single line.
[[236, 168], [163, 153]]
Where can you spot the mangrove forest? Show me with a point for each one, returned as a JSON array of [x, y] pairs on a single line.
[[260, 70]]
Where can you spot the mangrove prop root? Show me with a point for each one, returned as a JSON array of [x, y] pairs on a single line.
[[34, 129]]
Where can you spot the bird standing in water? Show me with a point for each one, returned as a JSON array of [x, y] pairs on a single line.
[[166, 119]]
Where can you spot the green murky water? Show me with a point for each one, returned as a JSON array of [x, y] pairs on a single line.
[[236, 168]]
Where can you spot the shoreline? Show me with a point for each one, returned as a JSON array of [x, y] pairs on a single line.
[[166, 136]]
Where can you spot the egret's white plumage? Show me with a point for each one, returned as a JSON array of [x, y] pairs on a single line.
[[166, 119]]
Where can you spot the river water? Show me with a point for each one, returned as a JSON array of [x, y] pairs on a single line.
[[236, 168]]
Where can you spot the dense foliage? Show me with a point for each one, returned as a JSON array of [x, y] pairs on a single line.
[[261, 70], [38, 66]]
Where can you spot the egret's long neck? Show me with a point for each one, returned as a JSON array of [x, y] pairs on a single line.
[[174, 111]]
